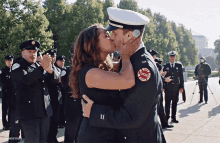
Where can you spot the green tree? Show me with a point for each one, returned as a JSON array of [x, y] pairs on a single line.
[[23, 20], [189, 45], [128, 4], [55, 10], [106, 4], [85, 13], [165, 39], [211, 61], [217, 50]]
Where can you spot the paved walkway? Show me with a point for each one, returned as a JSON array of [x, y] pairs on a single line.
[[198, 123]]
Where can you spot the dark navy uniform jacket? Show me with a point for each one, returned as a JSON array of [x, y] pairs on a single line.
[[205, 72], [176, 75], [177, 80], [31, 92], [5, 82], [72, 107], [137, 118], [54, 89]]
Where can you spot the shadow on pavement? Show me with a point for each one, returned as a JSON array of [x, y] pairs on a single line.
[[214, 111], [190, 110], [180, 103], [1, 130]]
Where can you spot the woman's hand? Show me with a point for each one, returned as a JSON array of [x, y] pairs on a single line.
[[127, 49], [86, 107]]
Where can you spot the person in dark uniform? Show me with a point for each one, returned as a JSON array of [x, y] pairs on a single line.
[[173, 86], [56, 98], [6, 91], [60, 62], [15, 125], [136, 120], [72, 108], [163, 121], [202, 72], [32, 100]]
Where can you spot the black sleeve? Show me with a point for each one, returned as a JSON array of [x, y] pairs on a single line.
[[1, 76], [196, 71], [208, 70], [181, 77], [64, 79], [54, 77], [4, 79]]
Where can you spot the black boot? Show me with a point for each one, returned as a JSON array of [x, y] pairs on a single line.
[[174, 120], [167, 126], [200, 102]]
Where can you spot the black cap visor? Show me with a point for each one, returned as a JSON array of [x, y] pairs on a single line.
[[172, 55], [30, 48], [110, 28]]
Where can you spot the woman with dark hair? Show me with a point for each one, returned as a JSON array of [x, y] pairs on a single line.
[[91, 75]]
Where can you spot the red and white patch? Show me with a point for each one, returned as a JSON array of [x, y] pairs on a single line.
[[144, 74]]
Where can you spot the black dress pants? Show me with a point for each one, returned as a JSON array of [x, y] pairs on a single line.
[[35, 130], [61, 115], [53, 127], [5, 112], [203, 89], [72, 129], [15, 130], [171, 94], [161, 111]]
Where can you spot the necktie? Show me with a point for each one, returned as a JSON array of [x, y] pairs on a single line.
[[172, 66]]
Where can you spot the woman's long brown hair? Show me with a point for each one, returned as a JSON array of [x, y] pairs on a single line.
[[86, 52]]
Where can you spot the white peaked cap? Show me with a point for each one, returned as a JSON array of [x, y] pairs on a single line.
[[126, 19], [172, 53]]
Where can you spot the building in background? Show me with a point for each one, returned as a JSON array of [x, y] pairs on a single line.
[[201, 42]]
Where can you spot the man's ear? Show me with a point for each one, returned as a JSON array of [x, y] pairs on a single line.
[[129, 35], [22, 52]]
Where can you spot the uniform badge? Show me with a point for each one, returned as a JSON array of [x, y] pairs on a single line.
[[167, 68], [144, 62], [63, 73], [15, 66], [0, 71], [33, 42], [144, 74], [30, 70]]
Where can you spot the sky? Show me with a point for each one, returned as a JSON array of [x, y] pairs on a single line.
[[201, 16]]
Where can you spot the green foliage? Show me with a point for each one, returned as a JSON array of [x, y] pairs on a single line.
[[186, 45], [211, 61], [190, 73], [214, 74], [21, 21], [57, 25], [106, 4], [128, 4], [217, 50]]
